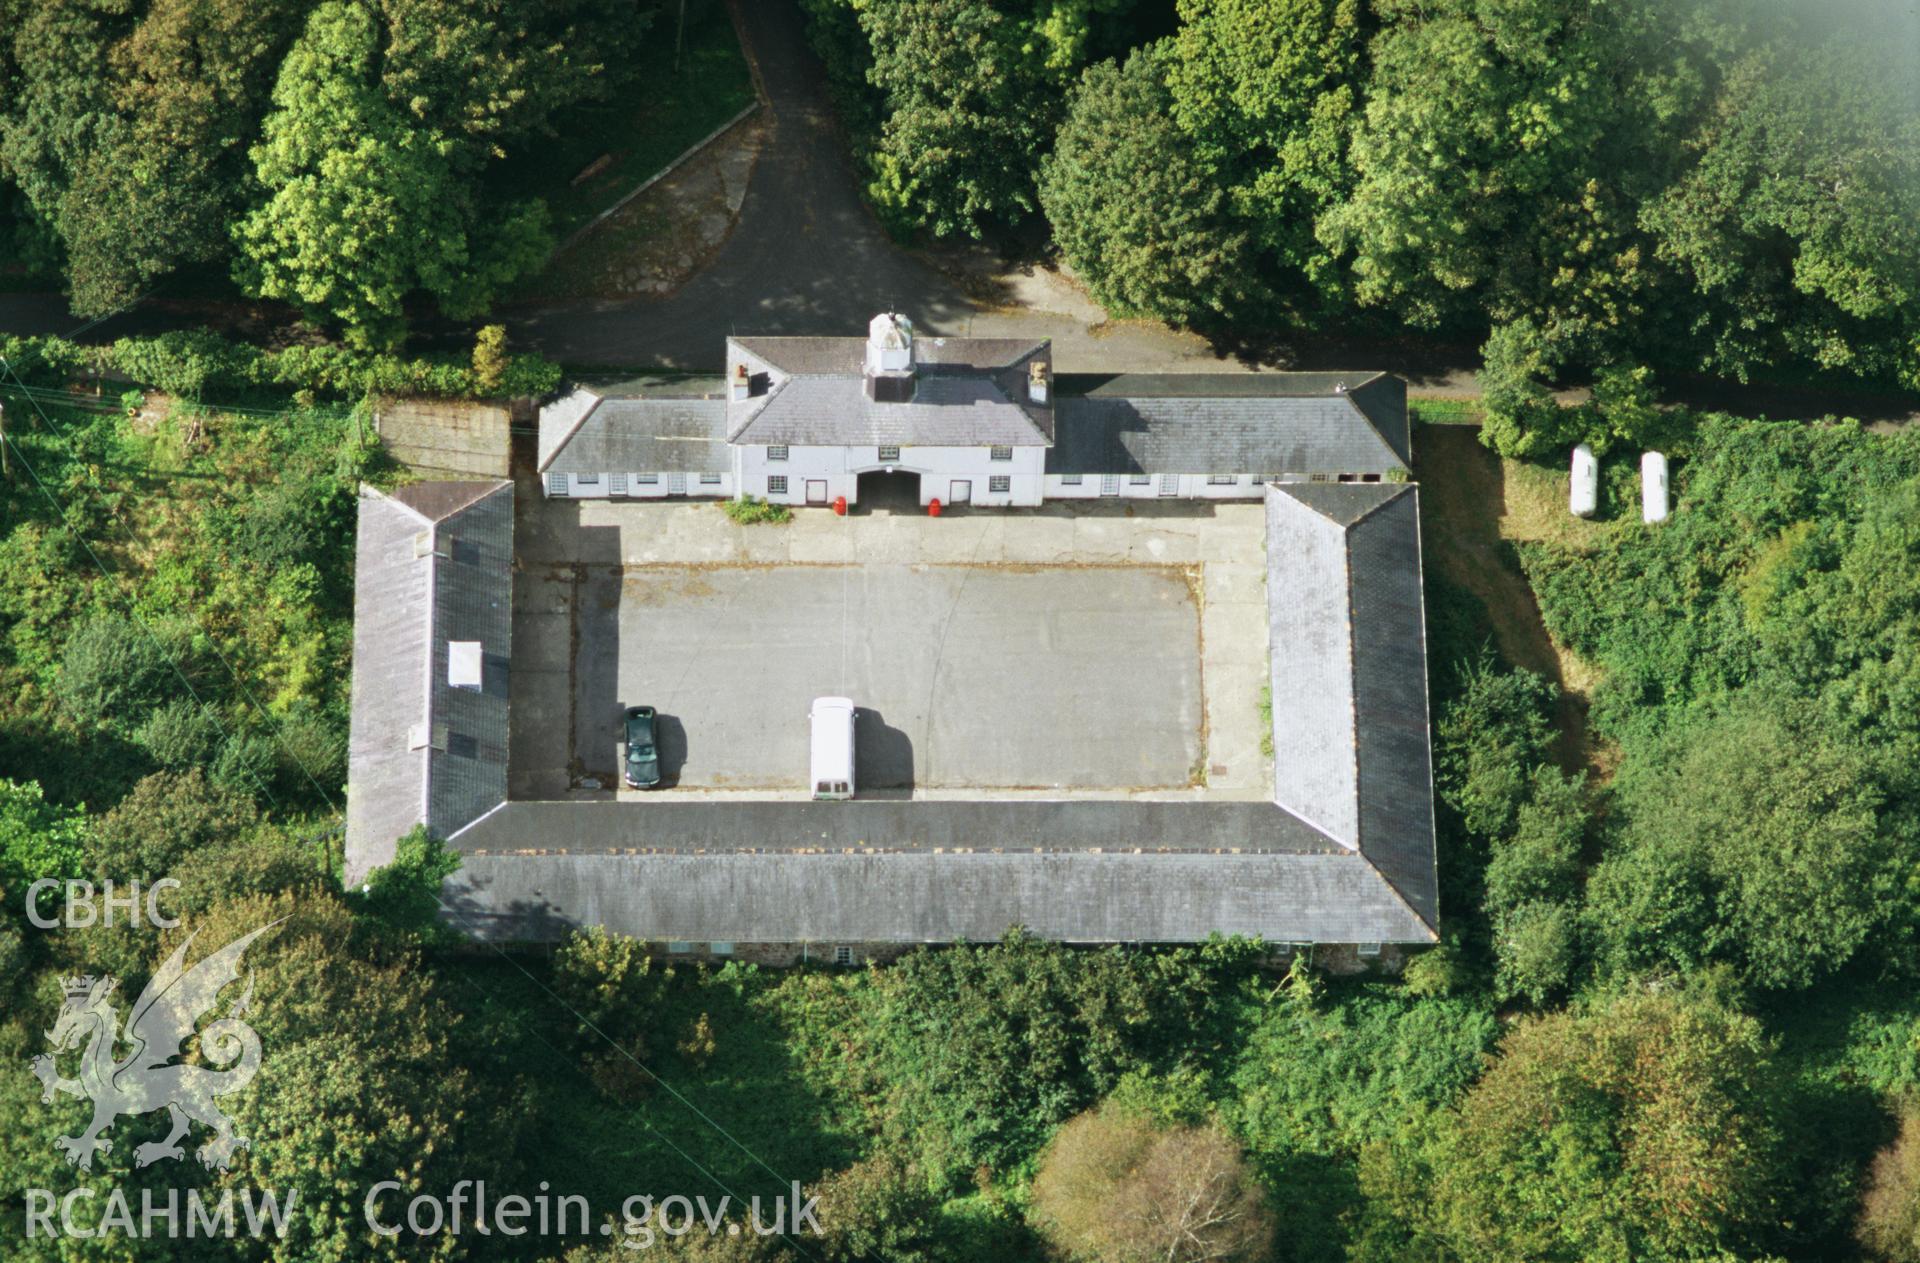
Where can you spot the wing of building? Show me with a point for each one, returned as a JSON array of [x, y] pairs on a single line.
[[982, 421], [432, 639], [1344, 854]]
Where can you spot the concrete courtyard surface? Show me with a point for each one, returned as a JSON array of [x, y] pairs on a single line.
[[966, 677], [1096, 650]]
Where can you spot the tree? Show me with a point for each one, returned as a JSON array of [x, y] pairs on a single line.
[[1116, 1189], [1504, 156], [364, 205], [180, 733], [189, 84], [607, 979], [490, 358], [1138, 215], [492, 76], [361, 1081], [879, 1210], [1752, 841], [1636, 1130], [1798, 226], [113, 668], [981, 1051], [969, 106], [37, 838], [167, 817], [1532, 889], [129, 137], [1524, 421], [1488, 743], [1889, 1223], [1269, 93]]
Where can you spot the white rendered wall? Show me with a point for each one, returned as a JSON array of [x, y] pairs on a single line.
[[602, 487], [938, 467]]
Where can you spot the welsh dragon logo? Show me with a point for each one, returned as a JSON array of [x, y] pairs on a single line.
[[150, 1077]]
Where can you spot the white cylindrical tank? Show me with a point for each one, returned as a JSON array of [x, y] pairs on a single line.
[[1653, 487], [1585, 495]]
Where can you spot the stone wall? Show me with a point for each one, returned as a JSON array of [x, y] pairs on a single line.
[[447, 438]]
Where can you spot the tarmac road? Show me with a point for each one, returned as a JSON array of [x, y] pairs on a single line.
[[806, 255]]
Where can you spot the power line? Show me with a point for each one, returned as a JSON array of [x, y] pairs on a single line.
[[30, 394], [612, 1043], [132, 607], [212, 642]]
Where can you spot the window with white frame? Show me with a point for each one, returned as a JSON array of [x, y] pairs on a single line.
[[999, 453], [709, 480], [676, 947], [843, 955], [647, 480], [720, 948], [999, 484], [1221, 480], [587, 480], [1069, 480], [777, 485], [888, 454], [777, 451], [1367, 951], [1140, 480]]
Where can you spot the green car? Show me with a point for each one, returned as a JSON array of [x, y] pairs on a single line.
[[643, 757]]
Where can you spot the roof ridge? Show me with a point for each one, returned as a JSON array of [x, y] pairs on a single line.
[[1373, 428], [1400, 897], [1400, 489], [573, 429], [390, 498], [486, 487]]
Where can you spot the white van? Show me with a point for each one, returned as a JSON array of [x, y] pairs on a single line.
[[832, 719]]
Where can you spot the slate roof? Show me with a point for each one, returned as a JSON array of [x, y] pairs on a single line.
[[1344, 853], [891, 824], [433, 564], [1269, 425], [664, 431], [1348, 662], [1076, 897], [968, 392]]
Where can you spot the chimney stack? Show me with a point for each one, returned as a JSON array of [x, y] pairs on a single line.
[[740, 387], [1037, 381]]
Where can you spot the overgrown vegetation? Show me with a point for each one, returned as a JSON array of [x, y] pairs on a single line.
[[1674, 1016], [195, 365], [752, 510]]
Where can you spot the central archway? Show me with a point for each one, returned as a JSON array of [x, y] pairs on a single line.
[[888, 491]]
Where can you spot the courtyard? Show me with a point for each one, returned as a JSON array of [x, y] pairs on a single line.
[[1098, 651]]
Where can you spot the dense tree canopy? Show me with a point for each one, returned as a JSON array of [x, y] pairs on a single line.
[[1141, 215], [1638, 1130], [1598, 184], [335, 155]]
